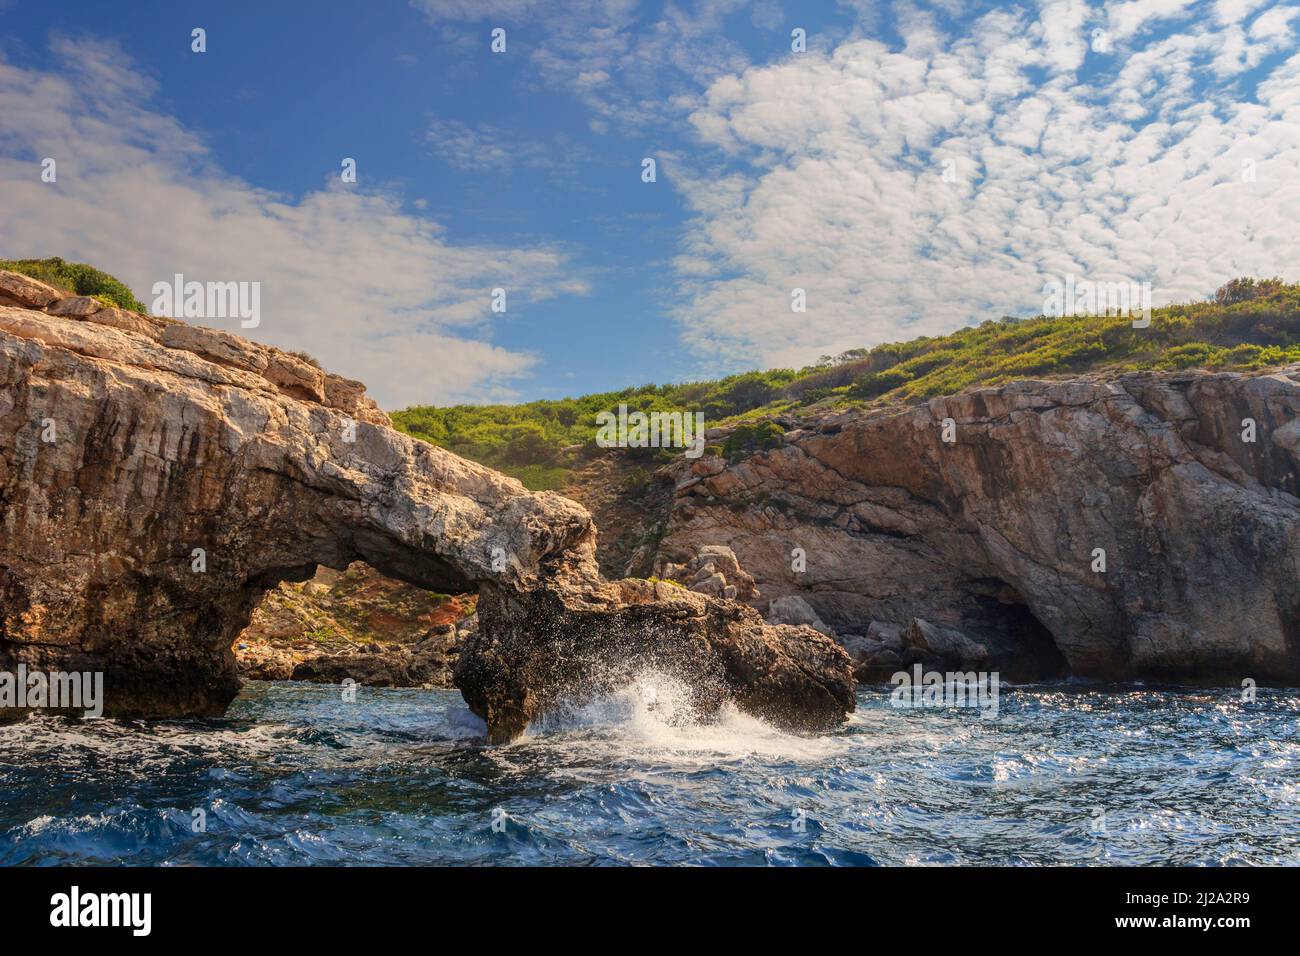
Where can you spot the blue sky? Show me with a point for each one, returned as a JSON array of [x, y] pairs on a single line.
[[919, 167]]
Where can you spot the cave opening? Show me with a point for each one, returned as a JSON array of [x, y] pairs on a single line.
[[1025, 648]]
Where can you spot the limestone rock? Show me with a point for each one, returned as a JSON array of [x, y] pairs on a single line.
[[890, 636], [793, 609], [154, 492], [995, 535], [75, 306], [26, 292], [713, 570], [582, 638], [945, 644]]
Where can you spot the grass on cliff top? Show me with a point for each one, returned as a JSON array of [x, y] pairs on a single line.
[[1250, 324], [77, 278]]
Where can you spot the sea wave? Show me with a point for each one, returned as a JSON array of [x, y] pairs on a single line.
[[1069, 773]]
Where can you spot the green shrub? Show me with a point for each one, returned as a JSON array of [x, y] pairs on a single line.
[[540, 477], [528, 445], [1247, 290], [878, 383], [749, 438], [77, 278]]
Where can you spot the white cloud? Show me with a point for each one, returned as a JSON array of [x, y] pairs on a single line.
[[1274, 24], [830, 178], [371, 290], [1132, 16], [621, 63], [487, 148]]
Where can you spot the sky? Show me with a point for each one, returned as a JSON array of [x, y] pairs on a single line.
[[916, 167]]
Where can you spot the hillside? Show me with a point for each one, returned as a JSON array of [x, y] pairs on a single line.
[[550, 445], [1250, 324]]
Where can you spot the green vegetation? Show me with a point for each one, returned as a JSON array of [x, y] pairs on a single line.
[[77, 278], [1250, 324], [541, 477], [748, 438], [540, 442]]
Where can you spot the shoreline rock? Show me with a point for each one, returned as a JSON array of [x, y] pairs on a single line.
[[999, 536], [159, 479]]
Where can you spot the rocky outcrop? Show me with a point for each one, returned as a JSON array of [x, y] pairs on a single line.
[[1145, 525], [158, 478], [429, 662], [793, 609], [579, 638], [713, 570]]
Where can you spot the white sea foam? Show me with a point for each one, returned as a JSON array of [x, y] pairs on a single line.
[[654, 714], [464, 724]]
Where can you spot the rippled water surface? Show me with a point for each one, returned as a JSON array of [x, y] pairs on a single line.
[[294, 775]]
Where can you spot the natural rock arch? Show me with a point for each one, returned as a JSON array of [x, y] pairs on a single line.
[[191, 470]]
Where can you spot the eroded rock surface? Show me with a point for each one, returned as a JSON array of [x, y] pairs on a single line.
[[579, 638], [158, 478], [713, 570], [988, 548]]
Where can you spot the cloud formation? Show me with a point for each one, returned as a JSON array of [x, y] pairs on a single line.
[[624, 62], [347, 275], [1163, 159]]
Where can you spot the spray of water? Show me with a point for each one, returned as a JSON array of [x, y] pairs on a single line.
[[656, 714]]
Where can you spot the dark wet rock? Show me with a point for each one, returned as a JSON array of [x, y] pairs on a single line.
[[579, 638]]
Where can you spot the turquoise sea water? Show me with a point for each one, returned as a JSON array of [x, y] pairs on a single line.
[[1072, 774]]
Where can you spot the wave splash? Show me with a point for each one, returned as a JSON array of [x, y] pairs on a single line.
[[656, 712]]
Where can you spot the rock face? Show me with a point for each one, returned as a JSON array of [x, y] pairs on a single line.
[[793, 609], [580, 637], [990, 548], [714, 570], [158, 478], [427, 663]]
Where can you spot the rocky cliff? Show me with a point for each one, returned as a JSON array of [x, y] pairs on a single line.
[[1144, 525], [158, 478]]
